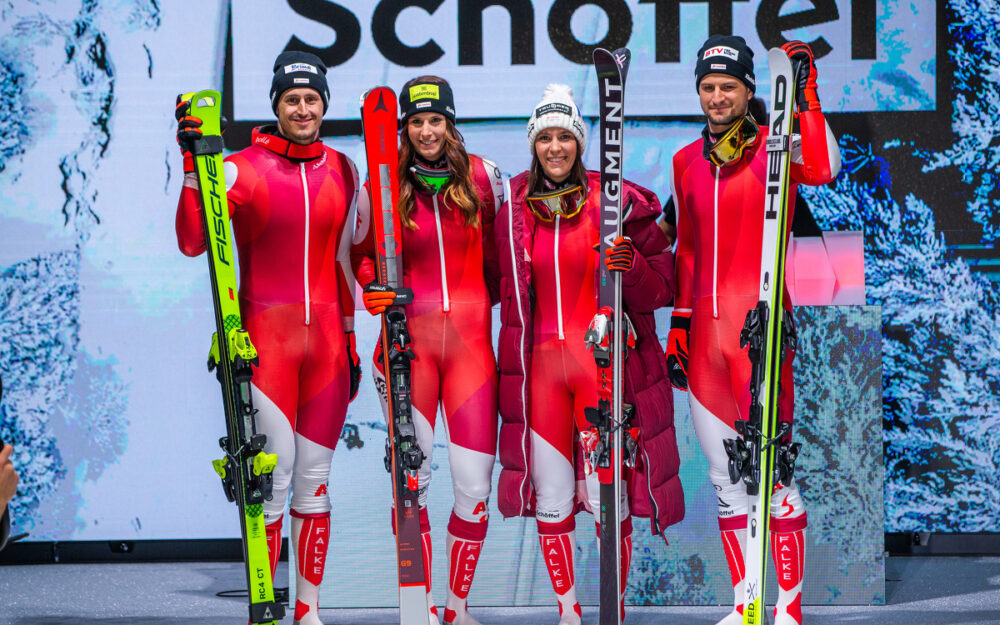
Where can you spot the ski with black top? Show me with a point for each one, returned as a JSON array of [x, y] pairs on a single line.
[[245, 470], [762, 449], [613, 439], [402, 454]]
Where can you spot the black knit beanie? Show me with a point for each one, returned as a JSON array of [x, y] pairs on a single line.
[[425, 97], [725, 54], [298, 69]]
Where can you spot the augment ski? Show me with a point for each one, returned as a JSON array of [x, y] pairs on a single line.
[[752, 455], [402, 455], [245, 469], [607, 334]]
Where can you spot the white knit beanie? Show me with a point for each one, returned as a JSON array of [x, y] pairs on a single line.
[[557, 110]]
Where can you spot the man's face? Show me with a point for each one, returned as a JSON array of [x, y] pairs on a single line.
[[300, 112], [724, 99]]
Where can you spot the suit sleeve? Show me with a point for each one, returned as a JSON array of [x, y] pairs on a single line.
[[345, 270], [363, 247], [815, 155], [189, 224], [649, 284], [490, 207], [684, 246]]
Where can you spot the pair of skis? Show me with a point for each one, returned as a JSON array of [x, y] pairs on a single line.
[[245, 469], [761, 456], [402, 454], [616, 442]]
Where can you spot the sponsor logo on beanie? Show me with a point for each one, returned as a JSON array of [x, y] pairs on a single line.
[[425, 91], [300, 67], [721, 51]]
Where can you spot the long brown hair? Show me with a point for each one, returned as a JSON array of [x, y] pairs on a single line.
[[577, 175], [460, 190]]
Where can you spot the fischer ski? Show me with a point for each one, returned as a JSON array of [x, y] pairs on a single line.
[[611, 441], [245, 470], [752, 456], [402, 454]]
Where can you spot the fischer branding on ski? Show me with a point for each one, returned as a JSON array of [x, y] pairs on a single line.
[[752, 455], [610, 441], [402, 454], [245, 470]]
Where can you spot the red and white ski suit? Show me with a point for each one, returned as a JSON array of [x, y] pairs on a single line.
[[292, 207], [450, 266], [720, 221]]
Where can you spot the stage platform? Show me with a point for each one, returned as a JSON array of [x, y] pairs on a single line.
[[932, 590]]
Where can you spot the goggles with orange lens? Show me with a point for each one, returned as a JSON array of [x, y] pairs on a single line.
[[566, 201], [729, 147]]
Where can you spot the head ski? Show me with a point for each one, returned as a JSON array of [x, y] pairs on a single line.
[[245, 469], [753, 454], [606, 335], [403, 456]]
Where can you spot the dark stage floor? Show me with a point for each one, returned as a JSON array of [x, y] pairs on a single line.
[[919, 591]]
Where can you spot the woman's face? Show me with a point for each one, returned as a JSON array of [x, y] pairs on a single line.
[[556, 150], [427, 134]]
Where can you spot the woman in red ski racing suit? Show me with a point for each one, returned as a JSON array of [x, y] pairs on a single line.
[[548, 298], [292, 202], [719, 195], [448, 201]]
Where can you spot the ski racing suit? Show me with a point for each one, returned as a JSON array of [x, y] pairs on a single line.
[[546, 363], [719, 238], [447, 263], [292, 208]]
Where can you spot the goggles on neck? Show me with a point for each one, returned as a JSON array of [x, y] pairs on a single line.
[[730, 146], [565, 201], [431, 178]]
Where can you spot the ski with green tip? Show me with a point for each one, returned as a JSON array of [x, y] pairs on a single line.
[[245, 469], [752, 455]]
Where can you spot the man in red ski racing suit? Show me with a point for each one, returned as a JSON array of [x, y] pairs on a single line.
[[448, 202], [548, 298], [719, 193], [291, 201]]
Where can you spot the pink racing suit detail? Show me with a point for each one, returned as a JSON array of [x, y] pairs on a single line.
[[291, 207], [448, 264]]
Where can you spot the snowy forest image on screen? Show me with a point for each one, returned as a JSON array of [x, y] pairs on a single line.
[[105, 326]]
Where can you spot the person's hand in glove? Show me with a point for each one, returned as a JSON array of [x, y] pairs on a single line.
[[353, 364], [621, 255], [677, 349], [806, 98], [377, 297]]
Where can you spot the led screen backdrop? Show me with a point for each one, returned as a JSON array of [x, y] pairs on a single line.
[[105, 326]]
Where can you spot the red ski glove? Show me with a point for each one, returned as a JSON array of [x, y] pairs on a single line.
[[621, 256], [188, 131], [378, 297], [353, 364], [806, 98], [677, 349]]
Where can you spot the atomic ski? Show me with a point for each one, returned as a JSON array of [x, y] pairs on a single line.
[[615, 442], [246, 469], [752, 455], [402, 454]]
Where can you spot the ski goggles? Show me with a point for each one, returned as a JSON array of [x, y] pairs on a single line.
[[432, 179], [566, 201], [730, 146]]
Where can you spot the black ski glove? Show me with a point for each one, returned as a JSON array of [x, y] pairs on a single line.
[[353, 364]]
